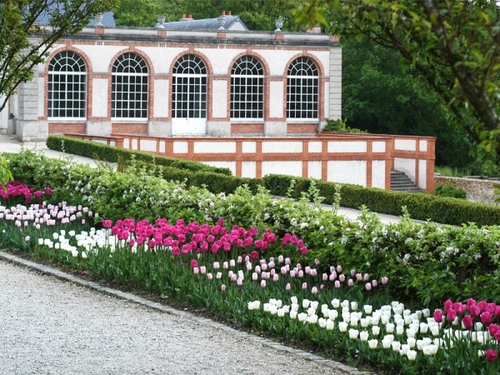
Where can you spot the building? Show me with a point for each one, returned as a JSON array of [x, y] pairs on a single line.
[[212, 91], [209, 77]]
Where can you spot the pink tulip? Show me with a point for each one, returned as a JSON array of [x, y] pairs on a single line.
[[486, 317], [374, 283], [194, 263], [353, 272], [448, 305], [337, 284], [288, 286], [314, 290], [474, 310], [339, 268], [385, 280], [491, 307], [209, 276], [491, 355], [451, 315], [467, 322], [482, 305], [324, 277], [342, 278], [438, 315], [304, 286], [223, 287], [368, 286], [493, 329], [350, 282], [276, 277], [263, 283]]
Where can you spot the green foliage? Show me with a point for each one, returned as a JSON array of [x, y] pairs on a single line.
[[419, 205], [449, 190], [5, 173], [256, 14], [449, 43], [340, 126], [18, 22], [378, 96], [123, 156]]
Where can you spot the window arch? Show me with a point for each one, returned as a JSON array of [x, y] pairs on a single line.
[[67, 89], [302, 89], [189, 99], [129, 87], [247, 88]]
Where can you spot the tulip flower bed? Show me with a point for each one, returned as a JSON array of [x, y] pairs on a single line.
[[273, 264], [233, 273]]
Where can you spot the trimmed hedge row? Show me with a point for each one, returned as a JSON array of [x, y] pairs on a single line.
[[420, 206], [113, 154], [219, 180]]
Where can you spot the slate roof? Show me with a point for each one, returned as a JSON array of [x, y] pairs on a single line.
[[205, 24], [108, 19]]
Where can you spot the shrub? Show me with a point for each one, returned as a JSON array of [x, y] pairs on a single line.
[[449, 190]]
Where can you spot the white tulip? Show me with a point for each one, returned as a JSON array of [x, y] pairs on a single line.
[[372, 344], [412, 355], [363, 336], [353, 334], [329, 325]]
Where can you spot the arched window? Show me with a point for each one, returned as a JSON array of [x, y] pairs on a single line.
[[189, 88], [129, 87], [67, 86], [247, 89], [302, 89]]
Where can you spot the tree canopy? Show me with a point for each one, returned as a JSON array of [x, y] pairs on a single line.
[[378, 96], [257, 14], [454, 45], [19, 21]]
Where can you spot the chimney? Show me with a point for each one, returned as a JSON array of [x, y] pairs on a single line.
[[229, 13], [223, 12], [188, 18]]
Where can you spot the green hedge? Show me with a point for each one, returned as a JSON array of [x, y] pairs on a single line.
[[420, 206], [113, 154]]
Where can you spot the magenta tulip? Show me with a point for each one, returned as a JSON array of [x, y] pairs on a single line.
[[438, 315], [467, 322], [491, 355]]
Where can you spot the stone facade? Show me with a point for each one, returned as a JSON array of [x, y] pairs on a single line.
[[99, 48]]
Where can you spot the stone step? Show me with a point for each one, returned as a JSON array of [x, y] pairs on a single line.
[[401, 182]]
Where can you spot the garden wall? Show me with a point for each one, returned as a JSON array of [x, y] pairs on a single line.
[[478, 190], [362, 159]]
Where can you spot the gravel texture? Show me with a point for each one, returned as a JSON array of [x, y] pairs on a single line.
[[53, 323]]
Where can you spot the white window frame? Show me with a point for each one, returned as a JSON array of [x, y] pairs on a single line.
[[302, 76], [131, 72], [71, 71], [190, 76], [250, 74]]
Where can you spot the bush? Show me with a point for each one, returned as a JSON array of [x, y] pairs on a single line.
[[113, 154], [449, 190]]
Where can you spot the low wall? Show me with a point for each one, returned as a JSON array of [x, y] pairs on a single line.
[[478, 190], [362, 159]]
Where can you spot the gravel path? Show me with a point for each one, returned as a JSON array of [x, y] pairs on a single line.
[[54, 326]]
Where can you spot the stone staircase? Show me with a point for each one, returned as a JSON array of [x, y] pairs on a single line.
[[401, 182]]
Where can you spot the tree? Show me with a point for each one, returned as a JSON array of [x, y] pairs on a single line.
[[257, 14], [378, 96], [453, 44], [18, 22]]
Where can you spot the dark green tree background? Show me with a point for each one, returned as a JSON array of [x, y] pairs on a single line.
[[257, 14], [380, 97]]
